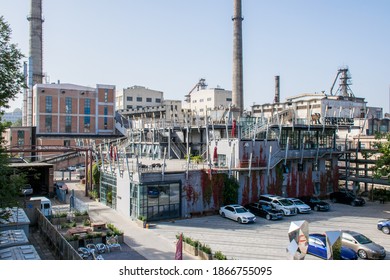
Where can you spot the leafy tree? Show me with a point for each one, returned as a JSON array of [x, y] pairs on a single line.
[[382, 166], [11, 77], [11, 83]]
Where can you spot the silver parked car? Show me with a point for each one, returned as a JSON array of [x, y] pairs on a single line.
[[362, 245], [301, 206]]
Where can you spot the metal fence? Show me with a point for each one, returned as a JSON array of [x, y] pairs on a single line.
[[61, 247]]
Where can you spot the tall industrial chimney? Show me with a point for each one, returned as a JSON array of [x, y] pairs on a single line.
[[35, 72], [277, 89], [36, 21], [237, 88]]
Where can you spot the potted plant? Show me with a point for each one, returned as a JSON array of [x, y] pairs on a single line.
[[141, 221], [205, 252], [219, 256]]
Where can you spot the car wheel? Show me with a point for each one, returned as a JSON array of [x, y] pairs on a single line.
[[239, 220], [316, 208], [353, 203], [362, 254], [385, 230], [223, 215], [334, 200], [268, 217]]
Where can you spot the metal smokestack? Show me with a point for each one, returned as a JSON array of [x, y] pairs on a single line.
[[277, 89], [237, 89]]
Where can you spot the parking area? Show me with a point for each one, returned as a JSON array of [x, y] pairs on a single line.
[[268, 240]]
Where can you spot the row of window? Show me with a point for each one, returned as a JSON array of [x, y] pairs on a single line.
[[139, 99], [209, 99], [68, 105]]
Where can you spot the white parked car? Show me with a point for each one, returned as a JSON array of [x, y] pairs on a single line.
[[237, 213], [280, 203], [301, 206]]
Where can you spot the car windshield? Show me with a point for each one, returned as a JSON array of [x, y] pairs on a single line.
[[315, 200], [241, 210], [285, 202], [266, 207], [298, 202], [362, 239]]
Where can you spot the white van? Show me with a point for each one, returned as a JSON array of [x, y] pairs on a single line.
[[45, 205]]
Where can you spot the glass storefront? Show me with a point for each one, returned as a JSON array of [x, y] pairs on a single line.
[[108, 190], [155, 201]]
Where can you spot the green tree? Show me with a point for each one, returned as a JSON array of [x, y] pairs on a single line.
[[11, 77], [11, 83], [382, 165]]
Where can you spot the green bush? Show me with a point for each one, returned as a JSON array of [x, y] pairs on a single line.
[[219, 256], [205, 248], [79, 213], [86, 222], [114, 230]]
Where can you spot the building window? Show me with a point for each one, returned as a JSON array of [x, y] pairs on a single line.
[[158, 100], [193, 101], [68, 124], [106, 95], [129, 107], [66, 143], [139, 99], [20, 137], [105, 117], [129, 98], [49, 104], [209, 99], [68, 105], [87, 123], [48, 121], [201, 100], [87, 106], [228, 99], [148, 99]]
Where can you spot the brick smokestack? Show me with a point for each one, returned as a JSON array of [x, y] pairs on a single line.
[[237, 89]]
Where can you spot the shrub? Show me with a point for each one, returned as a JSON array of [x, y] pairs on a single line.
[[86, 222], [205, 248], [114, 230], [219, 256]]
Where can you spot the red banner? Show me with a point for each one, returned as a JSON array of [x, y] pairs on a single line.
[[179, 248]]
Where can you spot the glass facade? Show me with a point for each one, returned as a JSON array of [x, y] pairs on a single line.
[[310, 139], [108, 190], [155, 201]]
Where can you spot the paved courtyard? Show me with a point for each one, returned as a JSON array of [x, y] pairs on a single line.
[[268, 240]]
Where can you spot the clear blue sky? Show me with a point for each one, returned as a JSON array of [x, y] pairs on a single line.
[[168, 45]]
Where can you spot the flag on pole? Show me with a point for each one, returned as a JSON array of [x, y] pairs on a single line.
[[179, 248]]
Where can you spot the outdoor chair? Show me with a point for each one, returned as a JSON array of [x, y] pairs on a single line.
[[91, 247], [96, 257], [101, 248], [112, 243], [85, 253]]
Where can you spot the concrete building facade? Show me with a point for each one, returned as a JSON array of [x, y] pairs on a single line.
[[208, 99], [137, 97]]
